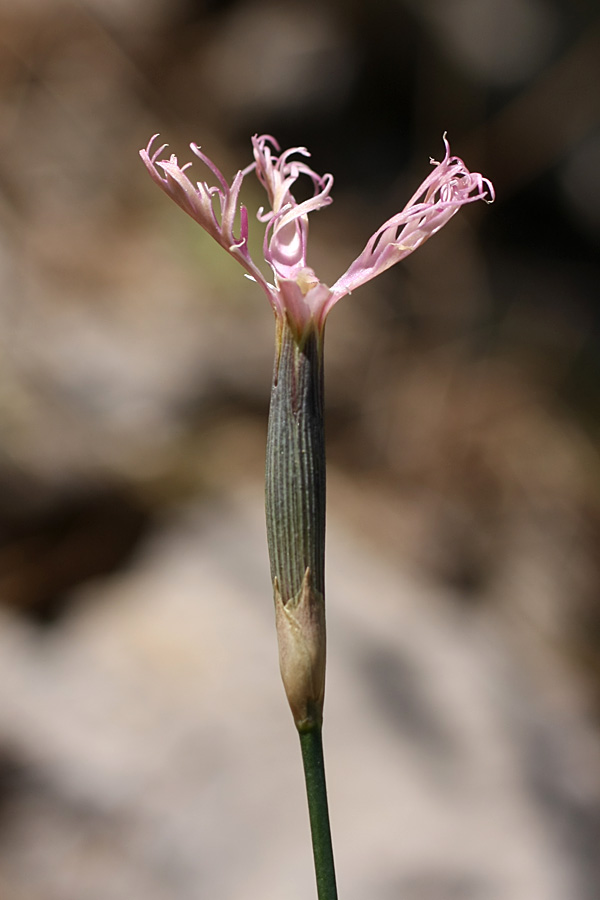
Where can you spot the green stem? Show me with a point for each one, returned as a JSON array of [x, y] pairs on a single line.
[[311, 744], [295, 508]]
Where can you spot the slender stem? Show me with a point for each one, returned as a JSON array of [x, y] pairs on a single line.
[[295, 508], [311, 744]]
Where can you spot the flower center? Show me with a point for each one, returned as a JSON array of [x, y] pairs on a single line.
[[306, 280]]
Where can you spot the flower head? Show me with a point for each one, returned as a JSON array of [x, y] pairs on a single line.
[[296, 293]]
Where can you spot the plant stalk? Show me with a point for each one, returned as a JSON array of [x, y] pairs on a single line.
[[295, 509], [311, 743]]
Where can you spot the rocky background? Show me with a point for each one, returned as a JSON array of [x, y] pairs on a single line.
[[145, 746]]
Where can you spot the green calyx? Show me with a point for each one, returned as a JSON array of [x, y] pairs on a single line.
[[295, 507]]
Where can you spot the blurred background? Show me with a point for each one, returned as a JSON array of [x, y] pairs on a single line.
[[145, 745]]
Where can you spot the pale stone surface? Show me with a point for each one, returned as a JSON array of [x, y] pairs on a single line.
[[162, 761]]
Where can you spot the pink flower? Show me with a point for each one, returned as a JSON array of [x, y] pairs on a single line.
[[296, 293]]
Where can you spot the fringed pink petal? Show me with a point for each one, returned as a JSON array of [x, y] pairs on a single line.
[[198, 201], [287, 221], [439, 197]]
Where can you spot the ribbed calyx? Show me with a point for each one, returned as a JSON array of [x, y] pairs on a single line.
[[295, 507]]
